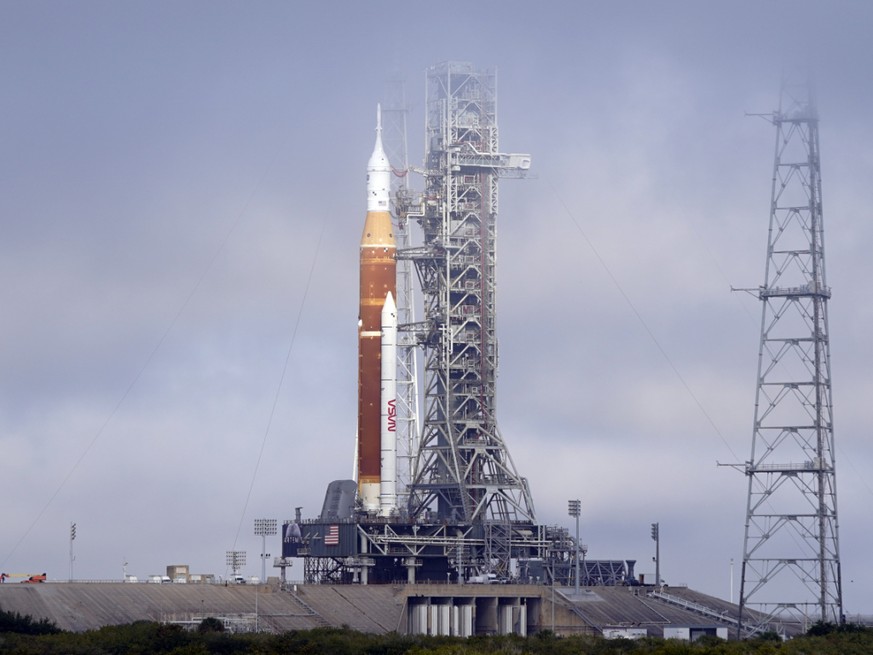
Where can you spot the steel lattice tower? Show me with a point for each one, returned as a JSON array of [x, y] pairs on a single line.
[[791, 561], [463, 469], [394, 138]]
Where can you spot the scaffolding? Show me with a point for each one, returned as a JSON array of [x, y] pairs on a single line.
[[791, 562], [463, 471]]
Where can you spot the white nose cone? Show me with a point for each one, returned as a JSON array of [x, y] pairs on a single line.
[[378, 172]]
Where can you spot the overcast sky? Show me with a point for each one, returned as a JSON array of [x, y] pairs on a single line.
[[168, 168]]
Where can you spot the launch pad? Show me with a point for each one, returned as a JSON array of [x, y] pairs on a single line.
[[378, 550], [460, 512], [348, 545], [382, 551]]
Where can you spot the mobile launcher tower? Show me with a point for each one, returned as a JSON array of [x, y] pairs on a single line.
[[469, 512]]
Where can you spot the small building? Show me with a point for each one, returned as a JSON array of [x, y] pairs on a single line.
[[625, 633], [694, 632], [178, 572]]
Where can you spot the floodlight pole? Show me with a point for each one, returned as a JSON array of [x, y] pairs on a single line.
[[575, 509], [263, 528], [656, 536], [236, 559], [72, 556]]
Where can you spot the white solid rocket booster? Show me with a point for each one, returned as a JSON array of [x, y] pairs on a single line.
[[388, 399]]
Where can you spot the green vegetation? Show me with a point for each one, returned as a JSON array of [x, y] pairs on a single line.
[[24, 635], [25, 625]]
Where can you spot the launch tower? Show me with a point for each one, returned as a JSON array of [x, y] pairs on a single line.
[[463, 471], [791, 560]]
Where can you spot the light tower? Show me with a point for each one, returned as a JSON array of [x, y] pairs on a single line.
[[235, 559], [574, 508], [791, 560], [656, 537], [265, 528], [72, 556], [463, 471]]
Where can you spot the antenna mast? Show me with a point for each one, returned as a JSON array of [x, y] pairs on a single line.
[[791, 561]]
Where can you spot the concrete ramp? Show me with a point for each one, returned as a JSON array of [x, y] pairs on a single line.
[[87, 606], [80, 606], [371, 608]]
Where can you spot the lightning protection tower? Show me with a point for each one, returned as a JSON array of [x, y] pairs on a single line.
[[791, 560], [463, 472]]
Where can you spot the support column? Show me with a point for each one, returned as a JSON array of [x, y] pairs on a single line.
[[411, 563]]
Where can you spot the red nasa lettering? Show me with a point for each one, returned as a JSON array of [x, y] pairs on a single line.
[[392, 415]]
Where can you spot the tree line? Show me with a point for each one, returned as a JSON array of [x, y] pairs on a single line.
[[25, 635]]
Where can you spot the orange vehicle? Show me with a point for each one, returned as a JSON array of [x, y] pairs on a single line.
[[30, 578]]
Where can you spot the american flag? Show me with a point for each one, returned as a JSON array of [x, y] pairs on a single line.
[[331, 537]]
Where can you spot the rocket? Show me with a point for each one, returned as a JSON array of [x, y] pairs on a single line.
[[378, 290]]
